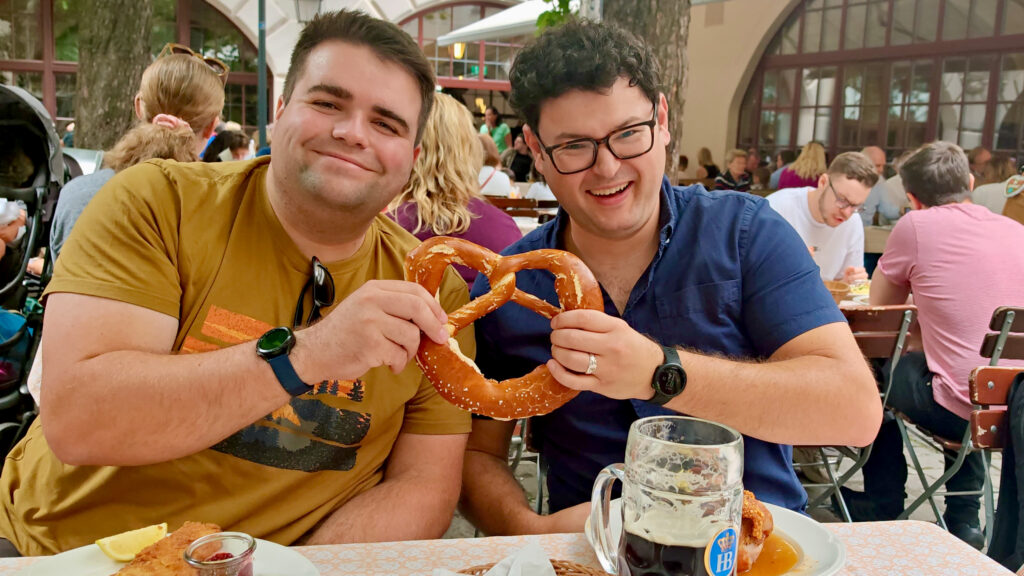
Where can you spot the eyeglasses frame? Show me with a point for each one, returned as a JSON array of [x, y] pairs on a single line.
[[841, 202], [597, 144]]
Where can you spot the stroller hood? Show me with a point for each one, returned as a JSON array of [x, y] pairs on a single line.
[[30, 153]]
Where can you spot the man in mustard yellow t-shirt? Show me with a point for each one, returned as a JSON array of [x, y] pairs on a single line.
[[168, 395]]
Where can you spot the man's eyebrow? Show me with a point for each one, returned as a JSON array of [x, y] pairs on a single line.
[[567, 136], [343, 94], [336, 91], [389, 113]]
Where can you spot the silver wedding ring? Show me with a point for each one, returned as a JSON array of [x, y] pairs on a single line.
[[592, 366]]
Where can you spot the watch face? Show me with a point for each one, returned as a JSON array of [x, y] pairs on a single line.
[[274, 339], [669, 380]]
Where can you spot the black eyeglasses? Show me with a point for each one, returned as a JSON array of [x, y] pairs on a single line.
[[625, 143], [219, 67], [842, 203], [323, 294]]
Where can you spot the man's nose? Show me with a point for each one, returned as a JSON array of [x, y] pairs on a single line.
[[606, 164], [351, 130]]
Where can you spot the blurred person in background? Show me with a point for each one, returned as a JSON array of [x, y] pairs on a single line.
[[706, 167], [878, 201], [978, 157], [825, 216], [493, 180], [806, 169], [942, 252], [496, 128], [518, 160], [1005, 184], [178, 106], [782, 160], [753, 160], [226, 146], [442, 197], [735, 175], [761, 178]]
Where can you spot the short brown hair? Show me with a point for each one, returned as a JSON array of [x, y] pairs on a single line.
[[385, 39], [854, 166], [937, 174]]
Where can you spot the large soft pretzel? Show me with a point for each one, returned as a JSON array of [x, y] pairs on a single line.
[[456, 377]]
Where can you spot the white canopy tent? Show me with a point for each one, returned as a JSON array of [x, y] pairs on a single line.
[[515, 21]]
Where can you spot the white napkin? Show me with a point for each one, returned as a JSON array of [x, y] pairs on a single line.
[[531, 560]]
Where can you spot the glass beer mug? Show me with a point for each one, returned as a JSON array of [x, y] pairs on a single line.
[[682, 500]]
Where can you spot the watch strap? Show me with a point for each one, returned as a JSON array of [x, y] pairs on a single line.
[[286, 375]]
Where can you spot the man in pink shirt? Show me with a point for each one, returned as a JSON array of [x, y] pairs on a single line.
[[952, 255]]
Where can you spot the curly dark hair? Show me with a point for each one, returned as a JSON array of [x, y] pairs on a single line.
[[579, 55]]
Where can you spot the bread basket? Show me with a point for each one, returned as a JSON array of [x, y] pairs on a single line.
[[562, 568]]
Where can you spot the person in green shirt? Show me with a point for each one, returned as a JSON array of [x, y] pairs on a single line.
[[496, 129]]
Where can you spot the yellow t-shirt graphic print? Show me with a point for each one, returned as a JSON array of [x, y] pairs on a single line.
[[201, 243], [307, 434]]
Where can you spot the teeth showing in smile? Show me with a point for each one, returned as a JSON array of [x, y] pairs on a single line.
[[609, 191]]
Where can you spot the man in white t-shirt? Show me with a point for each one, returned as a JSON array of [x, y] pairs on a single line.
[[826, 217]]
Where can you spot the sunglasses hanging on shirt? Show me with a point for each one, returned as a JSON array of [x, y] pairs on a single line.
[[322, 286]]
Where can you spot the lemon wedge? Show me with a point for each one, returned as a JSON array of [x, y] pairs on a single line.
[[124, 546]]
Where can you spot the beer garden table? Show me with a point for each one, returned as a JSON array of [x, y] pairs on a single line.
[[907, 547]]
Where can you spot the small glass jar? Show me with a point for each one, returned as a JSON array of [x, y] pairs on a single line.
[[222, 554]]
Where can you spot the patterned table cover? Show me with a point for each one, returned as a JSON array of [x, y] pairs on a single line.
[[908, 547]]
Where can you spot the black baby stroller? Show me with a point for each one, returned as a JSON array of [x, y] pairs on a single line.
[[31, 174]]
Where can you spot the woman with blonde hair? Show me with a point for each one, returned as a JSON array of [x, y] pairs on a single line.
[[442, 197], [706, 167], [178, 106], [806, 169]]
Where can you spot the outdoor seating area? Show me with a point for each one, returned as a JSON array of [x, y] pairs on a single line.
[[512, 288]]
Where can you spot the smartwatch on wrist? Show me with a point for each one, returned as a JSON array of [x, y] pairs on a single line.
[[669, 379], [274, 347]]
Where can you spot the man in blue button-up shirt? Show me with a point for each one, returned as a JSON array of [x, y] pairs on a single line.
[[717, 275]]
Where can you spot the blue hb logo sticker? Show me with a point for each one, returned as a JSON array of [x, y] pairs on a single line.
[[720, 555]]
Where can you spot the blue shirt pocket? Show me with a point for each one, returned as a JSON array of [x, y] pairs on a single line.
[[703, 317]]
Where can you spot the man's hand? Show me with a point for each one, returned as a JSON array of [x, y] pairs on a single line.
[[625, 358], [379, 324], [854, 274]]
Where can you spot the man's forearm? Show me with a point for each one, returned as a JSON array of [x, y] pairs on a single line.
[[394, 510], [133, 408], [493, 500], [808, 400]]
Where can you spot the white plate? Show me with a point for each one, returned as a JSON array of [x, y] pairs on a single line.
[[820, 552], [271, 560]]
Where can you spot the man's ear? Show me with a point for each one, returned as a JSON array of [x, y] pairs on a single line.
[[212, 128], [663, 118], [539, 159], [915, 203], [822, 180], [972, 182], [138, 106], [280, 108]]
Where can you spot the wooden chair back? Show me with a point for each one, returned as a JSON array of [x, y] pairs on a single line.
[[1007, 341], [990, 387], [880, 331]]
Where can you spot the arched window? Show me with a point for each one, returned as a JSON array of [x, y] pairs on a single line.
[[39, 50], [891, 73]]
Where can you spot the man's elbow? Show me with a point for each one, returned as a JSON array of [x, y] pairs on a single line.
[[66, 443], [866, 414]]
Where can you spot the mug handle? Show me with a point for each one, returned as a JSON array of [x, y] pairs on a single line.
[[600, 501]]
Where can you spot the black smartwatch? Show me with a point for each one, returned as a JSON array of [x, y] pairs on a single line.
[[274, 347], [669, 379]]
